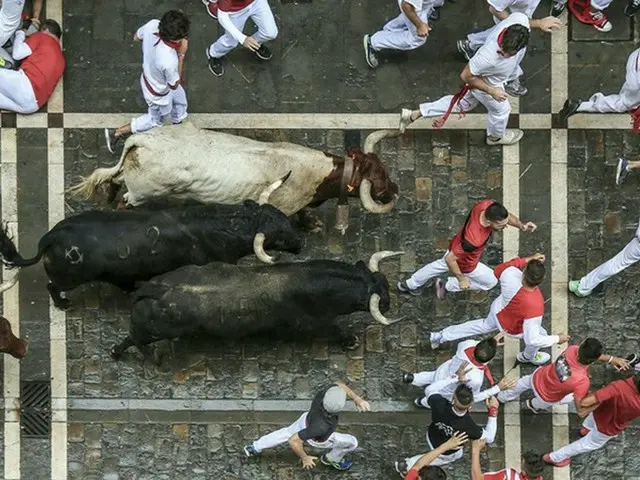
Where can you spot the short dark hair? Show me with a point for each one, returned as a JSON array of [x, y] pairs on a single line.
[[636, 380], [589, 351], [52, 27], [464, 395], [486, 350], [433, 473], [174, 25], [496, 212], [533, 464], [534, 273], [515, 38]]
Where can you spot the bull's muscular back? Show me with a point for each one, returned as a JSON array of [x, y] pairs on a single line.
[[229, 300], [184, 162]]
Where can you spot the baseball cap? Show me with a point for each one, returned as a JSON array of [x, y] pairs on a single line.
[[334, 399]]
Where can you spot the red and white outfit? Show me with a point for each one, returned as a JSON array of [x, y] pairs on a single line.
[[619, 405], [527, 7], [29, 88], [517, 311], [559, 383], [507, 474], [475, 377], [480, 276], [159, 70], [233, 14], [400, 33]]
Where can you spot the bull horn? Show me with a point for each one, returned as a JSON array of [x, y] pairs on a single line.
[[266, 193], [370, 204], [10, 283], [378, 256], [258, 248], [374, 137], [374, 309]]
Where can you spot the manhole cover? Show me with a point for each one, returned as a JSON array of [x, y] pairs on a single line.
[[35, 414]]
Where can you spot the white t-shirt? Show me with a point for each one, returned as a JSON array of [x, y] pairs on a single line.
[[488, 63], [418, 4], [11, 14], [515, 6], [159, 60]]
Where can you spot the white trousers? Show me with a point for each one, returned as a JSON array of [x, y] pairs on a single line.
[[400, 34], [261, 14], [441, 460], [590, 442], [627, 99], [340, 444], [629, 255], [498, 112], [481, 278], [173, 105], [16, 92], [526, 383], [10, 18]]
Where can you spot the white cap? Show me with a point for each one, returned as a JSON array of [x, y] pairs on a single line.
[[334, 399]]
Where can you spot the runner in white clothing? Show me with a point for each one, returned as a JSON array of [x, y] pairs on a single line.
[[629, 255], [407, 31], [11, 17], [517, 311], [501, 9], [628, 100], [164, 45], [475, 355], [494, 64], [593, 15]]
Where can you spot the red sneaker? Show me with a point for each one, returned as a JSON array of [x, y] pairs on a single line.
[[547, 459], [584, 431], [212, 8], [600, 21]]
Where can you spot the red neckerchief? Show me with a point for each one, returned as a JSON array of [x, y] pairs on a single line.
[[457, 98], [171, 43], [469, 352], [501, 37]]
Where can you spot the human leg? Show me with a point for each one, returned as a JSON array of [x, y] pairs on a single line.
[[426, 273], [481, 278], [16, 92], [398, 34], [339, 444], [468, 329], [227, 42], [178, 105], [281, 436], [629, 255], [590, 442], [262, 16]]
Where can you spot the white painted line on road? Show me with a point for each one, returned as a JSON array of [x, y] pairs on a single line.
[[510, 249], [560, 66], [11, 387]]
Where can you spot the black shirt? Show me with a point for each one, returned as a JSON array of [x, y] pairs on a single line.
[[445, 422], [320, 423]]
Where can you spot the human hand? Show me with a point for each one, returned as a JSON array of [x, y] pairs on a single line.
[[547, 24], [499, 338], [507, 383], [528, 227], [184, 46], [498, 94], [464, 283], [423, 30], [619, 363], [563, 338], [537, 256], [362, 405], [36, 22], [309, 462], [457, 440], [478, 444], [492, 402], [251, 44], [462, 371]]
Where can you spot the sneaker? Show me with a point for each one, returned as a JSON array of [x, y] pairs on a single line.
[[547, 459], [622, 171], [407, 378], [405, 119], [344, 464], [574, 287], [557, 8], [418, 402], [633, 360], [441, 292], [632, 7], [515, 88], [569, 108], [250, 451], [435, 14], [215, 65], [370, 55], [584, 431], [263, 53], [404, 288], [511, 136], [600, 21], [111, 139], [434, 338], [212, 8], [540, 358], [464, 47], [402, 468], [531, 407]]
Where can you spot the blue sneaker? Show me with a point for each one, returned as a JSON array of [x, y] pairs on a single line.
[[622, 171], [345, 464], [250, 451]]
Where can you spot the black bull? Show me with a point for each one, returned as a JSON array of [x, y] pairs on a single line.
[[296, 300], [125, 247]]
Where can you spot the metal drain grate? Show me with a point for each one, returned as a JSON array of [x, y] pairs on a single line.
[[35, 414]]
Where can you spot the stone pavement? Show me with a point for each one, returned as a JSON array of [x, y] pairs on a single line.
[[190, 416]]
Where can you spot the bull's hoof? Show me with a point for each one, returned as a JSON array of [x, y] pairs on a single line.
[[63, 303], [351, 343]]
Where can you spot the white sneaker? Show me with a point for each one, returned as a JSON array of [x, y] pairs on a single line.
[[540, 359], [435, 339], [405, 119], [510, 137]]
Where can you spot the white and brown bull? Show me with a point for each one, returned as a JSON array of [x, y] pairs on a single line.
[[187, 163]]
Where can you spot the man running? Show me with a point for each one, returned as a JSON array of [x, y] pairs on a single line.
[[594, 16], [462, 260], [531, 466]]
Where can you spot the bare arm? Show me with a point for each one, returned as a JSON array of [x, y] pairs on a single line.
[[475, 82], [456, 441], [476, 468], [589, 401], [499, 15], [37, 10], [361, 404], [452, 263], [580, 410], [297, 445], [410, 11]]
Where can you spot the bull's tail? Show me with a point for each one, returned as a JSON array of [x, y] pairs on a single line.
[[88, 186], [10, 256]]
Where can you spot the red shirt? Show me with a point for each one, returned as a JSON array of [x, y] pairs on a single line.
[[44, 66], [507, 474], [619, 405], [564, 376], [475, 234], [412, 475], [231, 6]]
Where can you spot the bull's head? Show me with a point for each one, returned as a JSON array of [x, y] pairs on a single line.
[[379, 301], [9, 343], [378, 193]]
